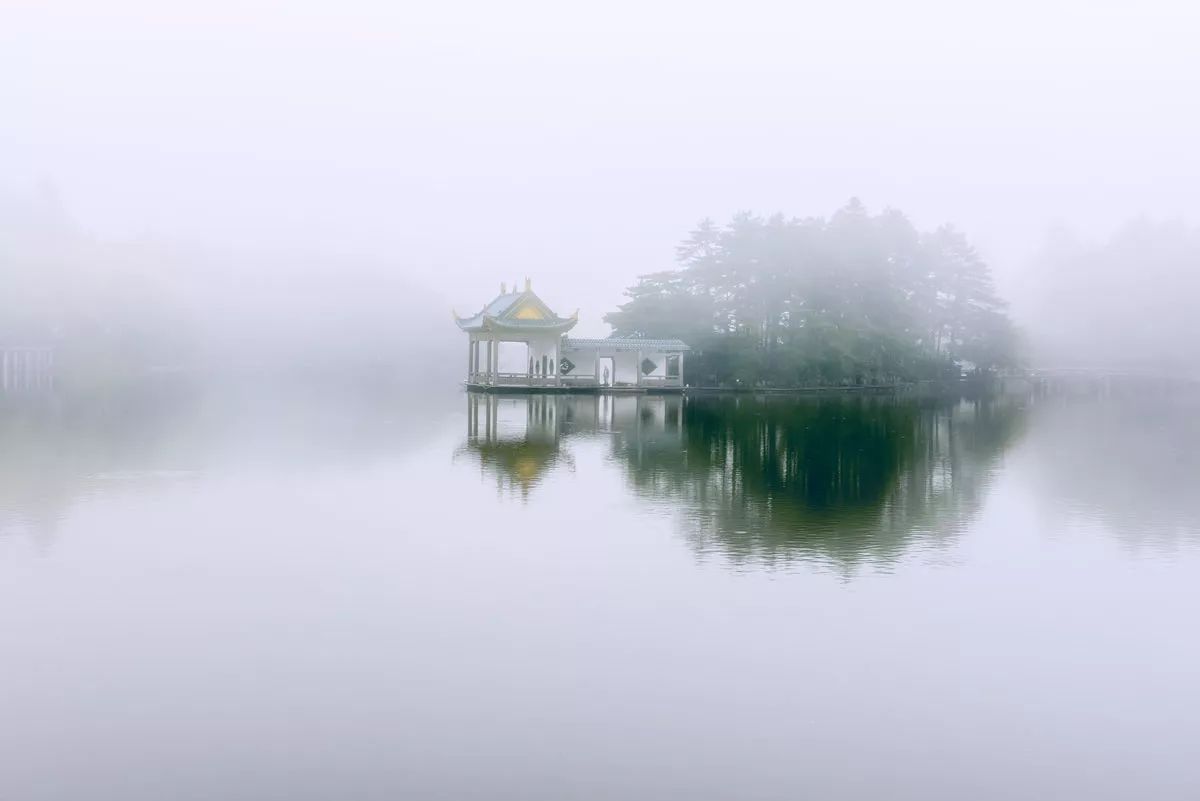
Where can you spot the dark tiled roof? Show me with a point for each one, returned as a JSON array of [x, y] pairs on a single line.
[[626, 343], [501, 304], [493, 309]]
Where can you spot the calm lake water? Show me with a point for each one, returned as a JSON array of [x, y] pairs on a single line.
[[255, 596]]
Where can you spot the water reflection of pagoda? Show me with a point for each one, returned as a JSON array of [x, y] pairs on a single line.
[[540, 418], [520, 438]]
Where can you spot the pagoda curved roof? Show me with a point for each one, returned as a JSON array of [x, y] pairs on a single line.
[[516, 311]]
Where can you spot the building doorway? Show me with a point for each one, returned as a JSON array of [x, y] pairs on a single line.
[[606, 370]]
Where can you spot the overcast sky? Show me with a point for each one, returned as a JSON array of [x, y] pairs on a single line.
[[462, 144]]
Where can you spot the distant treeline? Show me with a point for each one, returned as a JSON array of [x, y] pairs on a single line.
[[104, 306], [123, 314], [1128, 301], [853, 299]]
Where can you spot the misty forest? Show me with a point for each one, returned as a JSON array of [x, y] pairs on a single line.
[[853, 299], [121, 313]]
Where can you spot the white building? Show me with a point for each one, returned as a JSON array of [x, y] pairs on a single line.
[[553, 361]]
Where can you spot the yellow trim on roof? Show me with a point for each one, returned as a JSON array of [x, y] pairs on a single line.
[[529, 311]]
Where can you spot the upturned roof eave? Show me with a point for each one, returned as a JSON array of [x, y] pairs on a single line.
[[498, 315], [558, 325], [486, 324]]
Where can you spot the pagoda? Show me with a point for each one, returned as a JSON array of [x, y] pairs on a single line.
[[517, 316], [555, 362]]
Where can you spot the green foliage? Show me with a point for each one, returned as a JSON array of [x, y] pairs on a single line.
[[855, 299]]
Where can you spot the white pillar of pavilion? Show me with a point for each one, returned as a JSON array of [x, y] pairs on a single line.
[[491, 348], [495, 360], [557, 362], [470, 356]]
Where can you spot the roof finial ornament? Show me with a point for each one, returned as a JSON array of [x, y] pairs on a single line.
[[528, 284], [503, 288]]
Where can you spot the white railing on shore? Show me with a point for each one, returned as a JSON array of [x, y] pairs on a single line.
[[512, 380], [661, 381]]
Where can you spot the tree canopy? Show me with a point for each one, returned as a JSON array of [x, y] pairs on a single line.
[[853, 299]]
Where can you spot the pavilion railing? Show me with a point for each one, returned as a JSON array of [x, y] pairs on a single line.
[[522, 380], [580, 380]]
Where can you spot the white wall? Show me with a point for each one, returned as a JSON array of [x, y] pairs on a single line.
[[626, 364], [585, 363], [626, 371], [629, 364]]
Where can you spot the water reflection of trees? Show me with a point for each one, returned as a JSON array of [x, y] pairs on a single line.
[[772, 479], [842, 479], [55, 450]]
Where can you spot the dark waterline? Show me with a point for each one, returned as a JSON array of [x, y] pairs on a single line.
[[270, 595]]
